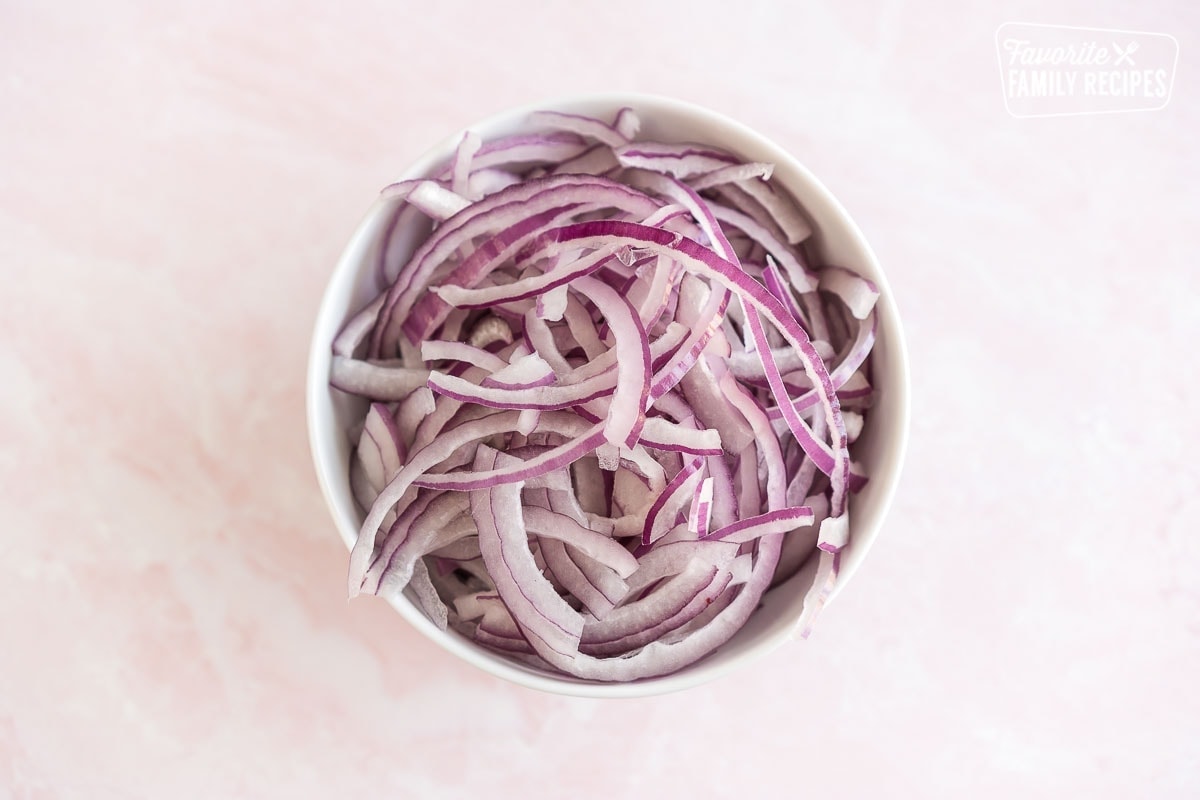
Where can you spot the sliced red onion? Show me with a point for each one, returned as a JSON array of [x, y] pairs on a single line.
[[401, 485], [835, 533], [662, 625], [584, 126], [665, 436], [627, 123], [427, 596], [734, 173], [696, 258], [784, 520], [816, 449], [818, 595], [597, 160], [700, 515], [463, 549], [582, 327], [854, 425], [488, 331], [627, 413], [528, 148], [699, 388], [380, 381], [386, 439], [725, 507], [462, 297], [567, 572], [525, 371], [552, 304], [604, 587], [519, 471], [436, 350], [800, 544], [661, 348], [782, 211], [489, 180], [858, 293], [651, 616], [357, 329], [801, 280], [579, 415], [370, 458], [597, 546], [539, 395], [769, 451], [494, 212], [673, 554], [496, 627], [461, 171], [662, 657], [437, 202], [542, 615], [845, 370], [678, 160], [485, 604], [747, 482], [513, 240], [412, 537], [661, 516]]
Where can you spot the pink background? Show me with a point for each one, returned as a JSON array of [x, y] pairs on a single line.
[[174, 190]]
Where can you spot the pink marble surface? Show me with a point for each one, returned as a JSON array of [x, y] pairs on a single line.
[[174, 188]]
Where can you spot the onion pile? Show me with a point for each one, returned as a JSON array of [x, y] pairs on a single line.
[[611, 399]]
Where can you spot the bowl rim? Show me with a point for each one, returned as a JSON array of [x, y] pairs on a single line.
[[329, 320]]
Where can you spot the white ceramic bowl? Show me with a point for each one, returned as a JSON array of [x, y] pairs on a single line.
[[837, 240]]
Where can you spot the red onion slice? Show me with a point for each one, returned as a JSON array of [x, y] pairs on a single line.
[[784, 520], [380, 381], [542, 615], [609, 408], [584, 126]]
